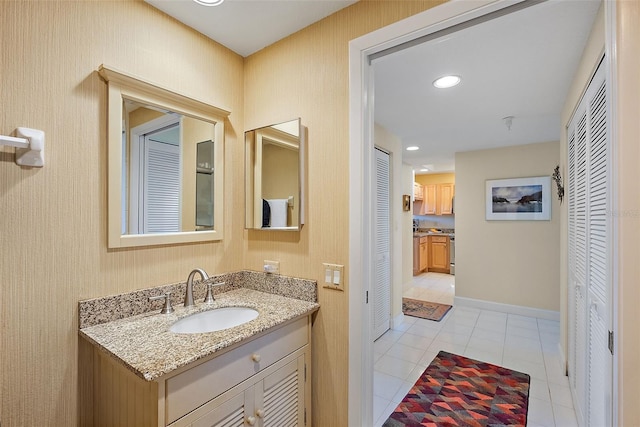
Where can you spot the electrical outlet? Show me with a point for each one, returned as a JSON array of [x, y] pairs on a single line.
[[333, 276], [271, 266]]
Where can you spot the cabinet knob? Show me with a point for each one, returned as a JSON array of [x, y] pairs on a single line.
[[255, 357], [251, 420], [260, 413]]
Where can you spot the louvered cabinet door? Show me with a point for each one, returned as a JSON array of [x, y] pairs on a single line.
[[235, 412], [280, 397]]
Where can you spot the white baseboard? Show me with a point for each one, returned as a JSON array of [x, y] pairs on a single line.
[[397, 321], [563, 360], [508, 308]]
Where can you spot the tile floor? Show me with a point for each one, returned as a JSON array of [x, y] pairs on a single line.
[[434, 287], [521, 343]]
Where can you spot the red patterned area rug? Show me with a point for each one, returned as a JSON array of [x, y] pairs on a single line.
[[424, 309], [457, 391]]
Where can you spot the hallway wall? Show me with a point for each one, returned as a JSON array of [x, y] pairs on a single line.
[[509, 262]]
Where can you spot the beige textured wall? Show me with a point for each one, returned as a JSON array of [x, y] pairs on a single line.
[[627, 206], [510, 262], [306, 75], [53, 229]]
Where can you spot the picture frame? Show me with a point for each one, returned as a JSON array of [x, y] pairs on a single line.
[[518, 199], [406, 202]]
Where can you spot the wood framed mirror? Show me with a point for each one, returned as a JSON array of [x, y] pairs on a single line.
[[165, 165], [274, 177]]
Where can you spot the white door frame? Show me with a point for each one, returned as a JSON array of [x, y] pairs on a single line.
[[361, 200]]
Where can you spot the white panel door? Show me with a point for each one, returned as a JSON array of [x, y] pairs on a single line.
[[382, 278], [589, 255]]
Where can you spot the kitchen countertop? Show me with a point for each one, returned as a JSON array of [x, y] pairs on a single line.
[[145, 345], [430, 233]]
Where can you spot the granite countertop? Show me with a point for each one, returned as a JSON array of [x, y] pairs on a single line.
[[144, 344]]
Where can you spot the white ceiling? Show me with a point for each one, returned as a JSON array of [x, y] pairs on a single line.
[[517, 65], [246, 26]]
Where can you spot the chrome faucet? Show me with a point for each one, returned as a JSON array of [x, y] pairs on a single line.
[[188, 296]]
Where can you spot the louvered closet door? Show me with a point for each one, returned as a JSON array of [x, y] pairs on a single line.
[[161, 188], [571, 246], [382, 278], [589, 257], [580, 266], [599, 395]]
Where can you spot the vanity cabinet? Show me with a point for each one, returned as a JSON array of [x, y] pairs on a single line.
[[273, 398], [263, 382], [439, 254]]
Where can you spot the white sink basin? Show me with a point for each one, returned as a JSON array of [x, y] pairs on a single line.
[[214, 320]]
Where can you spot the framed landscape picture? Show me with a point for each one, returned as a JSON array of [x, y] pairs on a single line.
[[519, 199]]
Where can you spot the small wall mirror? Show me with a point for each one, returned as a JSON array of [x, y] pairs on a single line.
[[165, 171], [274, 164]]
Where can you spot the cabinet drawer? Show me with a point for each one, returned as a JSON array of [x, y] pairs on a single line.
[[424, 239], [439, 239], [198, 385]]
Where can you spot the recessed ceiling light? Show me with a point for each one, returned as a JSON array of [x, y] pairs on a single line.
[[424, 170], [446, 82], [413, 148], [209, 2]]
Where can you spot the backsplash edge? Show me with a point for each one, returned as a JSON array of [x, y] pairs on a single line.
[[100, 310]]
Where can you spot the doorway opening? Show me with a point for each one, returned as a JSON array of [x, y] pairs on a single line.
[[364, 52]]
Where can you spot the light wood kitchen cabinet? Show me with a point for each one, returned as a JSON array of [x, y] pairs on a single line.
[[445, 204], [429, 201], [418, 207], [416, 255], [420, 254], [424, 253], [435, 199], [439, 254], [418, 191]]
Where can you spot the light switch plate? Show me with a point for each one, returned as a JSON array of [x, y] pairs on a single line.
[[333, 276]]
